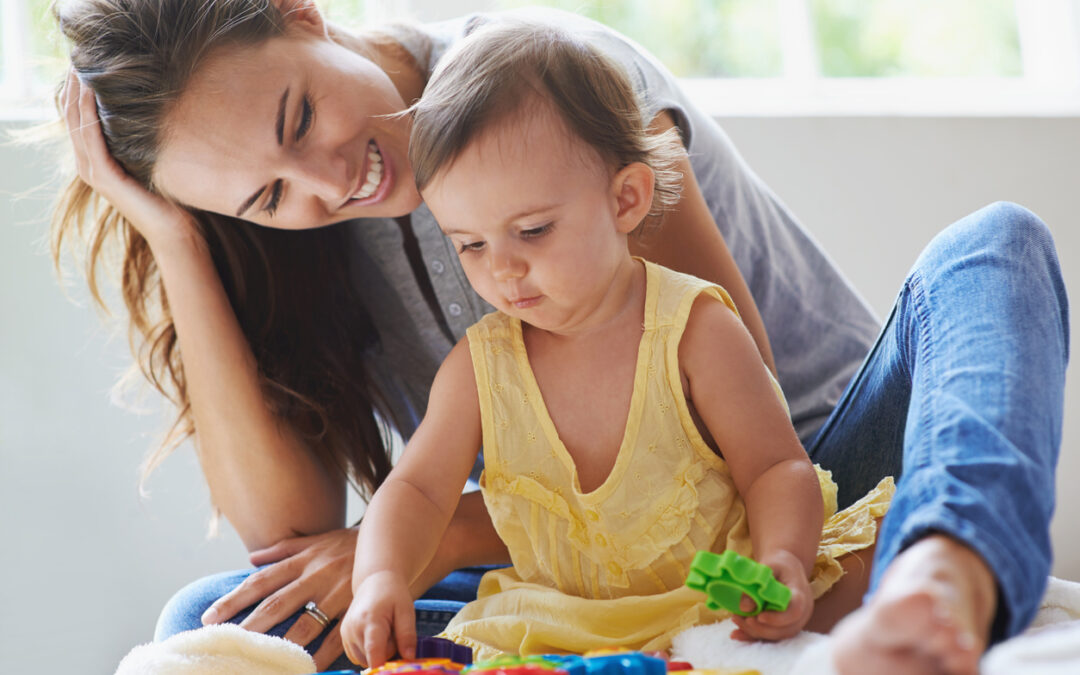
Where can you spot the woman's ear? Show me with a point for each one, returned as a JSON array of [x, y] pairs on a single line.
[[302, 14], [632, 187]]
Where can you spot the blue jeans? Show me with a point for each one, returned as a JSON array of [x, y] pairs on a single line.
[[961, 398], [433, 611]]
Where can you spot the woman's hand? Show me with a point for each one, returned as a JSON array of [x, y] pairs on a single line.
[[381, 617], [778, 625], [316, 568], [155, 218]]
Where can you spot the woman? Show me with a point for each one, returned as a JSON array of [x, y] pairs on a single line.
[[228, 115]]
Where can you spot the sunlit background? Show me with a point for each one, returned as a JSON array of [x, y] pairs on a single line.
[[876, 121], [732, 39]]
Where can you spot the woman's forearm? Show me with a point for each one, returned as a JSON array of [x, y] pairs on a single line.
[[259, 472]]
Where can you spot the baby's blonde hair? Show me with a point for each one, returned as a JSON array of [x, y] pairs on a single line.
[[501, 68]]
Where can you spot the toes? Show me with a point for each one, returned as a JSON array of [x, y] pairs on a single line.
[[911, 633]]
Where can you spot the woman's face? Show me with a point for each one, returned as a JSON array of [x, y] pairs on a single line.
[[288, 134]]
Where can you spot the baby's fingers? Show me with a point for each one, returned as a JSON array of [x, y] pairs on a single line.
[[755, 628], [376, 643], [789, 616], [405, 629]]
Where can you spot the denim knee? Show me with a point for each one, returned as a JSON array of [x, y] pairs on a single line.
[[1011, 239], [184, 610], [1002, 229]]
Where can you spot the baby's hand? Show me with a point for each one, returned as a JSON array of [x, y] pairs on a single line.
[[778, 625], [380, 616]]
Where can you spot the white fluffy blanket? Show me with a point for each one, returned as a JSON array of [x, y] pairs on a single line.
[[1051, 646], [225, 649]]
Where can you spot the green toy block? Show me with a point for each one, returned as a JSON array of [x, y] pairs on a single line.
[[725, 577]]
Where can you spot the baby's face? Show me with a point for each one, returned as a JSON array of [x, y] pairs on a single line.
[[531, 210]]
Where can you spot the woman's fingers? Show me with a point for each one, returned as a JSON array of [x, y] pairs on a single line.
[[259, 585], [307, 628], [149, 213], [283, 549], [330, 649], [73, 120], [98, 164]]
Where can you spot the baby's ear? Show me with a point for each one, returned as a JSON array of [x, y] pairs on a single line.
[[302, 14], [632, 187]]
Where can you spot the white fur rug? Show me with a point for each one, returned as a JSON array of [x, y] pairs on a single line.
[[222, 649], [1051, 646]]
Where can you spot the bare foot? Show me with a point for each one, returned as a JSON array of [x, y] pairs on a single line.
[[931, 614]]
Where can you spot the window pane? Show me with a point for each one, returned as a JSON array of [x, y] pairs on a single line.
[[694, 38], [917, 38], [47, 58], [343, 12]]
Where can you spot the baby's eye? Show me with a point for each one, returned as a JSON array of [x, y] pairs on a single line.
[[536, 231], [473, 246]]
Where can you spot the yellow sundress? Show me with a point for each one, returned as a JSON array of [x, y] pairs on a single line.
[[606, 568]]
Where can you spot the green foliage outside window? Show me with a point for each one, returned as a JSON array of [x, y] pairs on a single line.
[[694, 38], [917, 38], [738, 38]]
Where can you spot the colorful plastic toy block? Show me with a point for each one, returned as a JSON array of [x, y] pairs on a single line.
[[628, 663], [441, 648], [725, 577], [417, 667], [546, 664]]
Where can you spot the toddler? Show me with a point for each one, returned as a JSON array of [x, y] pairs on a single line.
[[626, 416]]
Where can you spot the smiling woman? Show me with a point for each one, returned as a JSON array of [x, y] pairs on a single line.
[[310, 149], [234, 136], [279, 334]]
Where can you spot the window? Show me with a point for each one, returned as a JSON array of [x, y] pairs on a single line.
[[752, 56]]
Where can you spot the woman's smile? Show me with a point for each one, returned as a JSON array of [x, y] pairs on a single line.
[[374, 181], [298, 132]]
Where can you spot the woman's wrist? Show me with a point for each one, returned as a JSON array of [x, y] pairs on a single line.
[[176, 242]]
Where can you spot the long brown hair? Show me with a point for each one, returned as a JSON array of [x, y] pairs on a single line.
[[291, 290]]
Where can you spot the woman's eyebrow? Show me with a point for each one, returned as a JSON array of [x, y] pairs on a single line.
[[279, 127], [281, 117], [250, 200]]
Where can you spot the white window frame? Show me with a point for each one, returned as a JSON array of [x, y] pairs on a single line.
[[15, 82], [1049, 32]]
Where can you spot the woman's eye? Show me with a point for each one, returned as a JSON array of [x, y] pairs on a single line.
[[473, 246], [536, 231], [275, 198], [306, 113]]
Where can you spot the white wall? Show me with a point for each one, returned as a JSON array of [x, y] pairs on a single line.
[[874, 191], [85, 566]]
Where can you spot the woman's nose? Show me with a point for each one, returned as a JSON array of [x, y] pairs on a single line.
[[325, 176]]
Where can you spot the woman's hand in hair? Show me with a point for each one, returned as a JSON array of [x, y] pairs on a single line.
[[315, 568], [158, 220]]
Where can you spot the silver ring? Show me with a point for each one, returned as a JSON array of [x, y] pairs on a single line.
[[312, 610]]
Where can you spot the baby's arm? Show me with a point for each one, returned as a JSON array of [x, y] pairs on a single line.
[[731, 391], [406, 518]]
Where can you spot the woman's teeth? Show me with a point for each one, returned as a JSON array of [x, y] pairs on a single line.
[[374, 174]]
